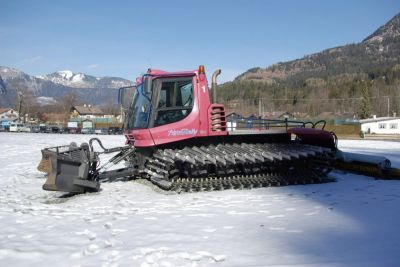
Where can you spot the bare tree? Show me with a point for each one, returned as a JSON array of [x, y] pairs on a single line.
[[67, 102], [112, 109], [26, 103]]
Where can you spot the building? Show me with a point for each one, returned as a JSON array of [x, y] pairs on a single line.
[[88, 116], [56, 118], [94, 122], [382, 125], [8, 114], [86, 112]]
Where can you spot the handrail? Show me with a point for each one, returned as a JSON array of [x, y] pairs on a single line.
[[265, 124], [320, 121]]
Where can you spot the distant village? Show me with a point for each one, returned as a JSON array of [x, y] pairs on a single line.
[[88, 119], [85, 119]]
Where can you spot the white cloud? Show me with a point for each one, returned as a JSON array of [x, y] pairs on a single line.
[[92, 66]]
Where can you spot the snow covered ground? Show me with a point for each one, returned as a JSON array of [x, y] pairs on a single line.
[[352, 222]]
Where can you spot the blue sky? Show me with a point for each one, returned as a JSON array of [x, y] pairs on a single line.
[[124, 38]]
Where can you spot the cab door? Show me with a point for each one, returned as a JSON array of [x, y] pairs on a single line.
[[175, 110]]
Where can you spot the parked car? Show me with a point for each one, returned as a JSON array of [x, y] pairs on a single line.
[[87, 131], [16, 127], [35, 129], [101, 131], [55, 129], [64, 130], [26, 129], [114, 130], [5, 127], [74, 130], [42, 128]]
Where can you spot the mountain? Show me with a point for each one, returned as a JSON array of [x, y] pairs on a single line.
[[337, 72], [52, 87], [2, 86], [80, 80], [389, 30], [380, 49]]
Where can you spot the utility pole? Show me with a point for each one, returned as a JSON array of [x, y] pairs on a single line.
[[388, 106], [20, 100], [122, 114]]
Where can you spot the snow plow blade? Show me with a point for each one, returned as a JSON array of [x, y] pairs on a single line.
[[45, 163], [375, 166], [68, 169], [75, 169]]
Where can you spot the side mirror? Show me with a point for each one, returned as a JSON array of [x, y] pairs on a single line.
[[125, 95], [120, 92], [147, 85]]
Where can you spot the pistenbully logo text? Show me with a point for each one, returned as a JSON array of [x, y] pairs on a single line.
[[174, 132]]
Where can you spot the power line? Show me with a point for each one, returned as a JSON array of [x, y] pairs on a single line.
[[321, 99]]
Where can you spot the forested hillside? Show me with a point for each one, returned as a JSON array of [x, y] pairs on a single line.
[[362, 79]]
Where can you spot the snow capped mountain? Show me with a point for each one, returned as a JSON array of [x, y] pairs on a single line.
[[81, 80], [13, 78], [88, 89], [64, 77], [65, 73], [10, 73]]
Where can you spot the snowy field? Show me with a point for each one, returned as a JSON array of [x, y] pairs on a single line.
[[352, 222]]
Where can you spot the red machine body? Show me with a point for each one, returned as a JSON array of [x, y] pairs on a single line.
[[203, 119]]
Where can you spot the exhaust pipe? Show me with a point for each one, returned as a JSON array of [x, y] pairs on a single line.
[[214, 85]]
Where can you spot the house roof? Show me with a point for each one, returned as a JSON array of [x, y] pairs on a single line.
[[88, 110], [95, 120], [55, 116], [3, 110], [379, 119], [2, 121]]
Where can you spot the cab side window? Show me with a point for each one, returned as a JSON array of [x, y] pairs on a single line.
[[175, 101]]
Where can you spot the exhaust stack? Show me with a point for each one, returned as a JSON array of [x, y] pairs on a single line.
[[214, 85]]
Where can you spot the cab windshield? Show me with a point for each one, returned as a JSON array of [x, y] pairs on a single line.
[[139, 112]]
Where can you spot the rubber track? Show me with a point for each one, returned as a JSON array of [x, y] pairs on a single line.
[[238, 166]]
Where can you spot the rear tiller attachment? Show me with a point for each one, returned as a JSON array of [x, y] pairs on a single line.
[[378, 167]]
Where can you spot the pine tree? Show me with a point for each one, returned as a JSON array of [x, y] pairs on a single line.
[[365, 110]]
